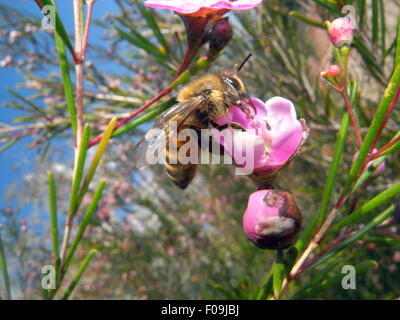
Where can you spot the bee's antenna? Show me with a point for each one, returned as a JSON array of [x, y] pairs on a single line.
[[243, 63]]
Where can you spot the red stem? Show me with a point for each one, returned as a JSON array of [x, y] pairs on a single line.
[[89, 4], [187, 58], [383, 149], [352, 116], [321, 253]]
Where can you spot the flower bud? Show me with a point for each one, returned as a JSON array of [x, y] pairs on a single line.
[[332, 71], [341, 32], [380, 168], [272, 219], [220, 35]]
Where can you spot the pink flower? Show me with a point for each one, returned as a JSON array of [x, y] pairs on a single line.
[[6, 62], [341, 32], [272, 219], [271, 138], [381, 167], [191, 6], [13, 36], [114, 83], [49, 100], [196, 15], [170, 251]]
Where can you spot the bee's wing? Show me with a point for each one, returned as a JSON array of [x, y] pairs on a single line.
[[157, 136]]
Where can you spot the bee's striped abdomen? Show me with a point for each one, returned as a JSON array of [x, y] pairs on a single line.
[[180, 174]]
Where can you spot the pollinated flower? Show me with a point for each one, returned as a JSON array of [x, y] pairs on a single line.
[[270, 137]]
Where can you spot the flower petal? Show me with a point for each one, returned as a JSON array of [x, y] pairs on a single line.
[[191, 6]]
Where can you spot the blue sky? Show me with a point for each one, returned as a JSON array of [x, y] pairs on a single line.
[[19, 159]]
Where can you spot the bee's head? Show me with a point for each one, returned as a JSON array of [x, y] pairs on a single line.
[[234, 87]]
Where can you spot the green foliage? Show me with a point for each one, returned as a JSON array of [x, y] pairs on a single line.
[[154, 241]]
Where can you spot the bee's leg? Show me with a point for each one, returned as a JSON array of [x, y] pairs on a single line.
[[232, 125], [247, 110]]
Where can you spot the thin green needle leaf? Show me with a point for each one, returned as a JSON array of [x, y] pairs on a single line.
[[53, 216], [383, 29], [318, 218], [4, 272], [69, 96], [375, 25], [29, 103], [353, 96], [361, 12], [78, 171], [340, 141], [376, 163], [59, 27], [279, 274], [329, 5], [82, 227], [393, 148], [151, 22], [383, 241], [77, 277], [397, 55], [307, 19], [369, 206], [336, 280], [8, 144], [345, 243], [374, 127], [391, 47], [148, 116], [315, 280], [367, 173], [265, 291], [368, 57], [96, 159], [139, 41]]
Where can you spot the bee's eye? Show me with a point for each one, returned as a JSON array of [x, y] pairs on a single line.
[[233, 82]]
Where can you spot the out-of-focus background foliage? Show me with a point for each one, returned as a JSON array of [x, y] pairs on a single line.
[[154, 240]]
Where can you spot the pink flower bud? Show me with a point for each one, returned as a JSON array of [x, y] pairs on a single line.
[[332, 71], [220, 35], [381, 167], [272, 219], [341, 32]]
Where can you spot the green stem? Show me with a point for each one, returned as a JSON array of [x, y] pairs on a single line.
[[3, 265]]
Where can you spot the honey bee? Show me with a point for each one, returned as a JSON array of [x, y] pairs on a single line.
[[200, 103]]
